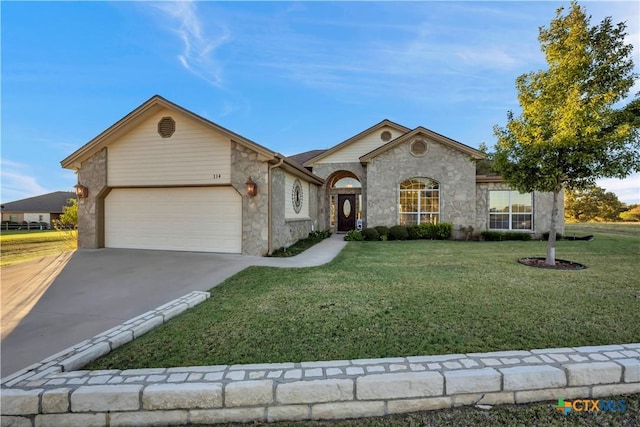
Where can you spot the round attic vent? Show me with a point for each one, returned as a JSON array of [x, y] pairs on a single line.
[[418, 148], [166, 127], [385, 136]]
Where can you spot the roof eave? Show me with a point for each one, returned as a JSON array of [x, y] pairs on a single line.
[[296, 169], [156, 102], [488, 178], [471, 152], [346, 142]]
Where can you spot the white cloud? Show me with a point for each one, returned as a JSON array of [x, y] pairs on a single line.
[[17, 183], [627, 190], [198, 54]]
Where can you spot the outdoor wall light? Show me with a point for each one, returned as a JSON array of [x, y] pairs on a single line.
[[252, 187], [81, 191]]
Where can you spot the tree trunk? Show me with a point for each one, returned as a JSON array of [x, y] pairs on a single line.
[[551, 243]]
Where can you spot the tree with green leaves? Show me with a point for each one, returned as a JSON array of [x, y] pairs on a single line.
[[631, 214], [69, 217], [592, 204], [570, 132]]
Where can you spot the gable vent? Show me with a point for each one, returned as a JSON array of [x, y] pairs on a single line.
[[419, 148], [385, 136], [166, 127]]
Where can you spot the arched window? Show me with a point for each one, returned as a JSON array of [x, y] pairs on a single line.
[[419, 201], [345, 180]]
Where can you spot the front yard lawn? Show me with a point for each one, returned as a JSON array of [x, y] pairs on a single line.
[[20, 246], [386, 299]]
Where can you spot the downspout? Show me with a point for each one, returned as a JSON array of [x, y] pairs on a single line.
[[270, 202]]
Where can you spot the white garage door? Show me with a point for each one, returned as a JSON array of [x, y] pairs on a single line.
[[176, 219]]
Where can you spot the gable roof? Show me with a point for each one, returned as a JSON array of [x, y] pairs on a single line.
[[156, 103], [307, 155], [351, 140], [451, 143], [46, 203]]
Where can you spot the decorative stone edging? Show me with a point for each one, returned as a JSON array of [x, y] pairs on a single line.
[[51, 393], [89, 350]]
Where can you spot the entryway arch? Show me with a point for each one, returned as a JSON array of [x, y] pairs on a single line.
[[345, 201]]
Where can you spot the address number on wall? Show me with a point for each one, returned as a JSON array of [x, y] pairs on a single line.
[[217, 175]]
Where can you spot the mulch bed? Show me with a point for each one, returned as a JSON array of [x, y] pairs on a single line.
[[561, 264]]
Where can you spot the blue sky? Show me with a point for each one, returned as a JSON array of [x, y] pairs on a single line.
[[290, 76]]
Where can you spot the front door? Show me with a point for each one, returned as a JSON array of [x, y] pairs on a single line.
[[346, 212]]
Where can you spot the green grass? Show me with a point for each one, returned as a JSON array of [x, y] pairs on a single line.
[[386, 299], [21, 245], [538, 414]]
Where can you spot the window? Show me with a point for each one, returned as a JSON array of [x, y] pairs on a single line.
[[40, 218], [419, 201], [13, 218], [347, 182], [510, 210]]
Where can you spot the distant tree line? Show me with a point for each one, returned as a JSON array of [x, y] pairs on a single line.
[[595, 204]]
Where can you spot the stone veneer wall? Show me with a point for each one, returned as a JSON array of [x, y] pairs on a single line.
[[325, 170], [255, 210], [54, 393], [542, 203], [455, 171], [93, 175], [285, 231]]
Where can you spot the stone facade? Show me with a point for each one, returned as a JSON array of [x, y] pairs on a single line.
[[454, 171], [93, 175], [326, 172], [255, 210]]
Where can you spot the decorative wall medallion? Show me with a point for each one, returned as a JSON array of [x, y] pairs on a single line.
[[166, 127], [419, 147], [296, 196], [385, 136]]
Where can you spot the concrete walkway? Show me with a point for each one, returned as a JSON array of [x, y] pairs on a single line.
[[53, 303]]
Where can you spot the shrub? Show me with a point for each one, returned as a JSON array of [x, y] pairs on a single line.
[[371, 234], [413, 232], [442, 231], [517, 235], [398, 232], [353, 236], [492, 236], [325, 234], [545, 236], [425, 231], [382, 230], [467, 232]]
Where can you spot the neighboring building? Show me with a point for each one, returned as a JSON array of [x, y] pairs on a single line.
[[165, 178], [39, 209]]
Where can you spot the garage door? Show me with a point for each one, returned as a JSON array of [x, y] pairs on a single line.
[[177, 219]]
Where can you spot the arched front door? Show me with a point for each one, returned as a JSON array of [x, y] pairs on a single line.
[[345, 193], [346, 212]]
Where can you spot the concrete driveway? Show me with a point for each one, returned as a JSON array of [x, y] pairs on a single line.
[[53, 303], [56, 302]]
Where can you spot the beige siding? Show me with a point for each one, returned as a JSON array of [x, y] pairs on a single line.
[[355, 150], [289, 212], [204, 219], [193, 155], [30, 217]]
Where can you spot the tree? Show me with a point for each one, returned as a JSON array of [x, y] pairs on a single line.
[[592, 204], [69, 216], [631, 214], [569, 132]]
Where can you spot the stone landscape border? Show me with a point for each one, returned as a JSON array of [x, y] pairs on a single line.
[[54, 393]]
